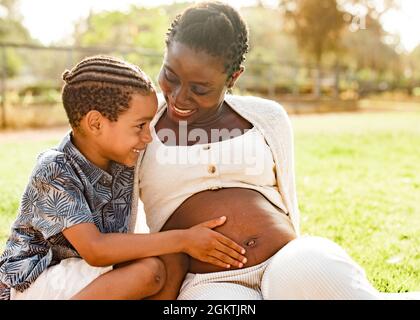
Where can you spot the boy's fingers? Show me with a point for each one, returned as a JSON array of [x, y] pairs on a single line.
[[213, 223], [217, 262], [232, 244], [226, 259], [238, 258]]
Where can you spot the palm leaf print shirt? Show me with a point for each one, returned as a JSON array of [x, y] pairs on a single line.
[[64, 189]]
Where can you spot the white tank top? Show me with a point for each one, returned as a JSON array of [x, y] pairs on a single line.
[[169, 175]]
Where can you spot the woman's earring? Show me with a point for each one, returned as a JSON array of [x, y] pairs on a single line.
[[230, 86]]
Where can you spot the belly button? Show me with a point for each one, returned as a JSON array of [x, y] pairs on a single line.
[[251, 243]]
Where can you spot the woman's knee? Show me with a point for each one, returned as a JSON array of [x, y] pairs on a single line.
[[314, 267], [305, 258], [312, 247]]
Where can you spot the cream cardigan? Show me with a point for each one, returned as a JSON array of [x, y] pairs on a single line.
[[273, 122]]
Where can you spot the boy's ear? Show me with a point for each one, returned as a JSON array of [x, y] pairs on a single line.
[[235, 76], [94, 121]]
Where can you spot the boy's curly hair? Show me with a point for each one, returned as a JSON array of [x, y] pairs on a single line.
[[214, 27], [102, 83]]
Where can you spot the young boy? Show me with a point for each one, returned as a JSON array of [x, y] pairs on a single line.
[[70, 239]]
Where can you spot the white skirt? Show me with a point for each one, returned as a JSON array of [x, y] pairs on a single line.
[[61, 281], [304, 269]]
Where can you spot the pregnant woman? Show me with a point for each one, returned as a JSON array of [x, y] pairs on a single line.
[[215, 154]]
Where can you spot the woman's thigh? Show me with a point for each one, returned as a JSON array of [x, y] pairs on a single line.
[[315, 268], [61, 281], [219, 291], [240, 284]]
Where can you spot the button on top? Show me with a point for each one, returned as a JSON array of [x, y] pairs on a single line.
[[211, 169], [206, 147], [106, 181]]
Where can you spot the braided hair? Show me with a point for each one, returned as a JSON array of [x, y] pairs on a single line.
[[215, 28], [102, 83]]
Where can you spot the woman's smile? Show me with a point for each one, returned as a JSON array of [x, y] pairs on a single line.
[[181, 112]]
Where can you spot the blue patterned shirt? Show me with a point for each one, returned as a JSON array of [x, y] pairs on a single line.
[[65, 189]]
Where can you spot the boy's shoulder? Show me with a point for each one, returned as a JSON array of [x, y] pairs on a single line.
[[52, 163], [51, 156]]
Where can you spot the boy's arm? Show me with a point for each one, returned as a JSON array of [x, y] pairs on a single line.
[[56, 198], [104, 249]]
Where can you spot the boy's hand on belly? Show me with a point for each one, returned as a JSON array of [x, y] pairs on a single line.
[[209, 246]]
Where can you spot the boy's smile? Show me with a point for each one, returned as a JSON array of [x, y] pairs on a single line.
[[121, 141], [124, 139]]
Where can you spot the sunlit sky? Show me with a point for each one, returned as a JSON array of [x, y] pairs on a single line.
[[52, 20]]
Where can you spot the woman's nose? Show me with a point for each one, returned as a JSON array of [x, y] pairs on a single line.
[[179, 94]]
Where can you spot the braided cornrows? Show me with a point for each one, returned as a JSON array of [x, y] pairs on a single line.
[[102, 83], [215, 28]]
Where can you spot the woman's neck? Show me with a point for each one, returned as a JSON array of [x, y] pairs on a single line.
[[211, 118]]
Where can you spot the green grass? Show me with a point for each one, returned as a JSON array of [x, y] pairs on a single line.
[[16, 163], [358, 178]]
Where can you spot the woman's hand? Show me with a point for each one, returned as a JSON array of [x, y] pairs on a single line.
[[209, 246]]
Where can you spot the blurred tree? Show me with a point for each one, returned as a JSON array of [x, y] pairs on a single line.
[[140, 27], [413, 70], [140, 30], [317, 26], [370, 53], [11, 8], [370, 50], [273, 66], [375, 9], [12, 30]]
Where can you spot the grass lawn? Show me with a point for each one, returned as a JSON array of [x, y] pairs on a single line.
[[358, 178]]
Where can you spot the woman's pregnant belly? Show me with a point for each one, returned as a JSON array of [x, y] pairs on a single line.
[[252, 222]]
